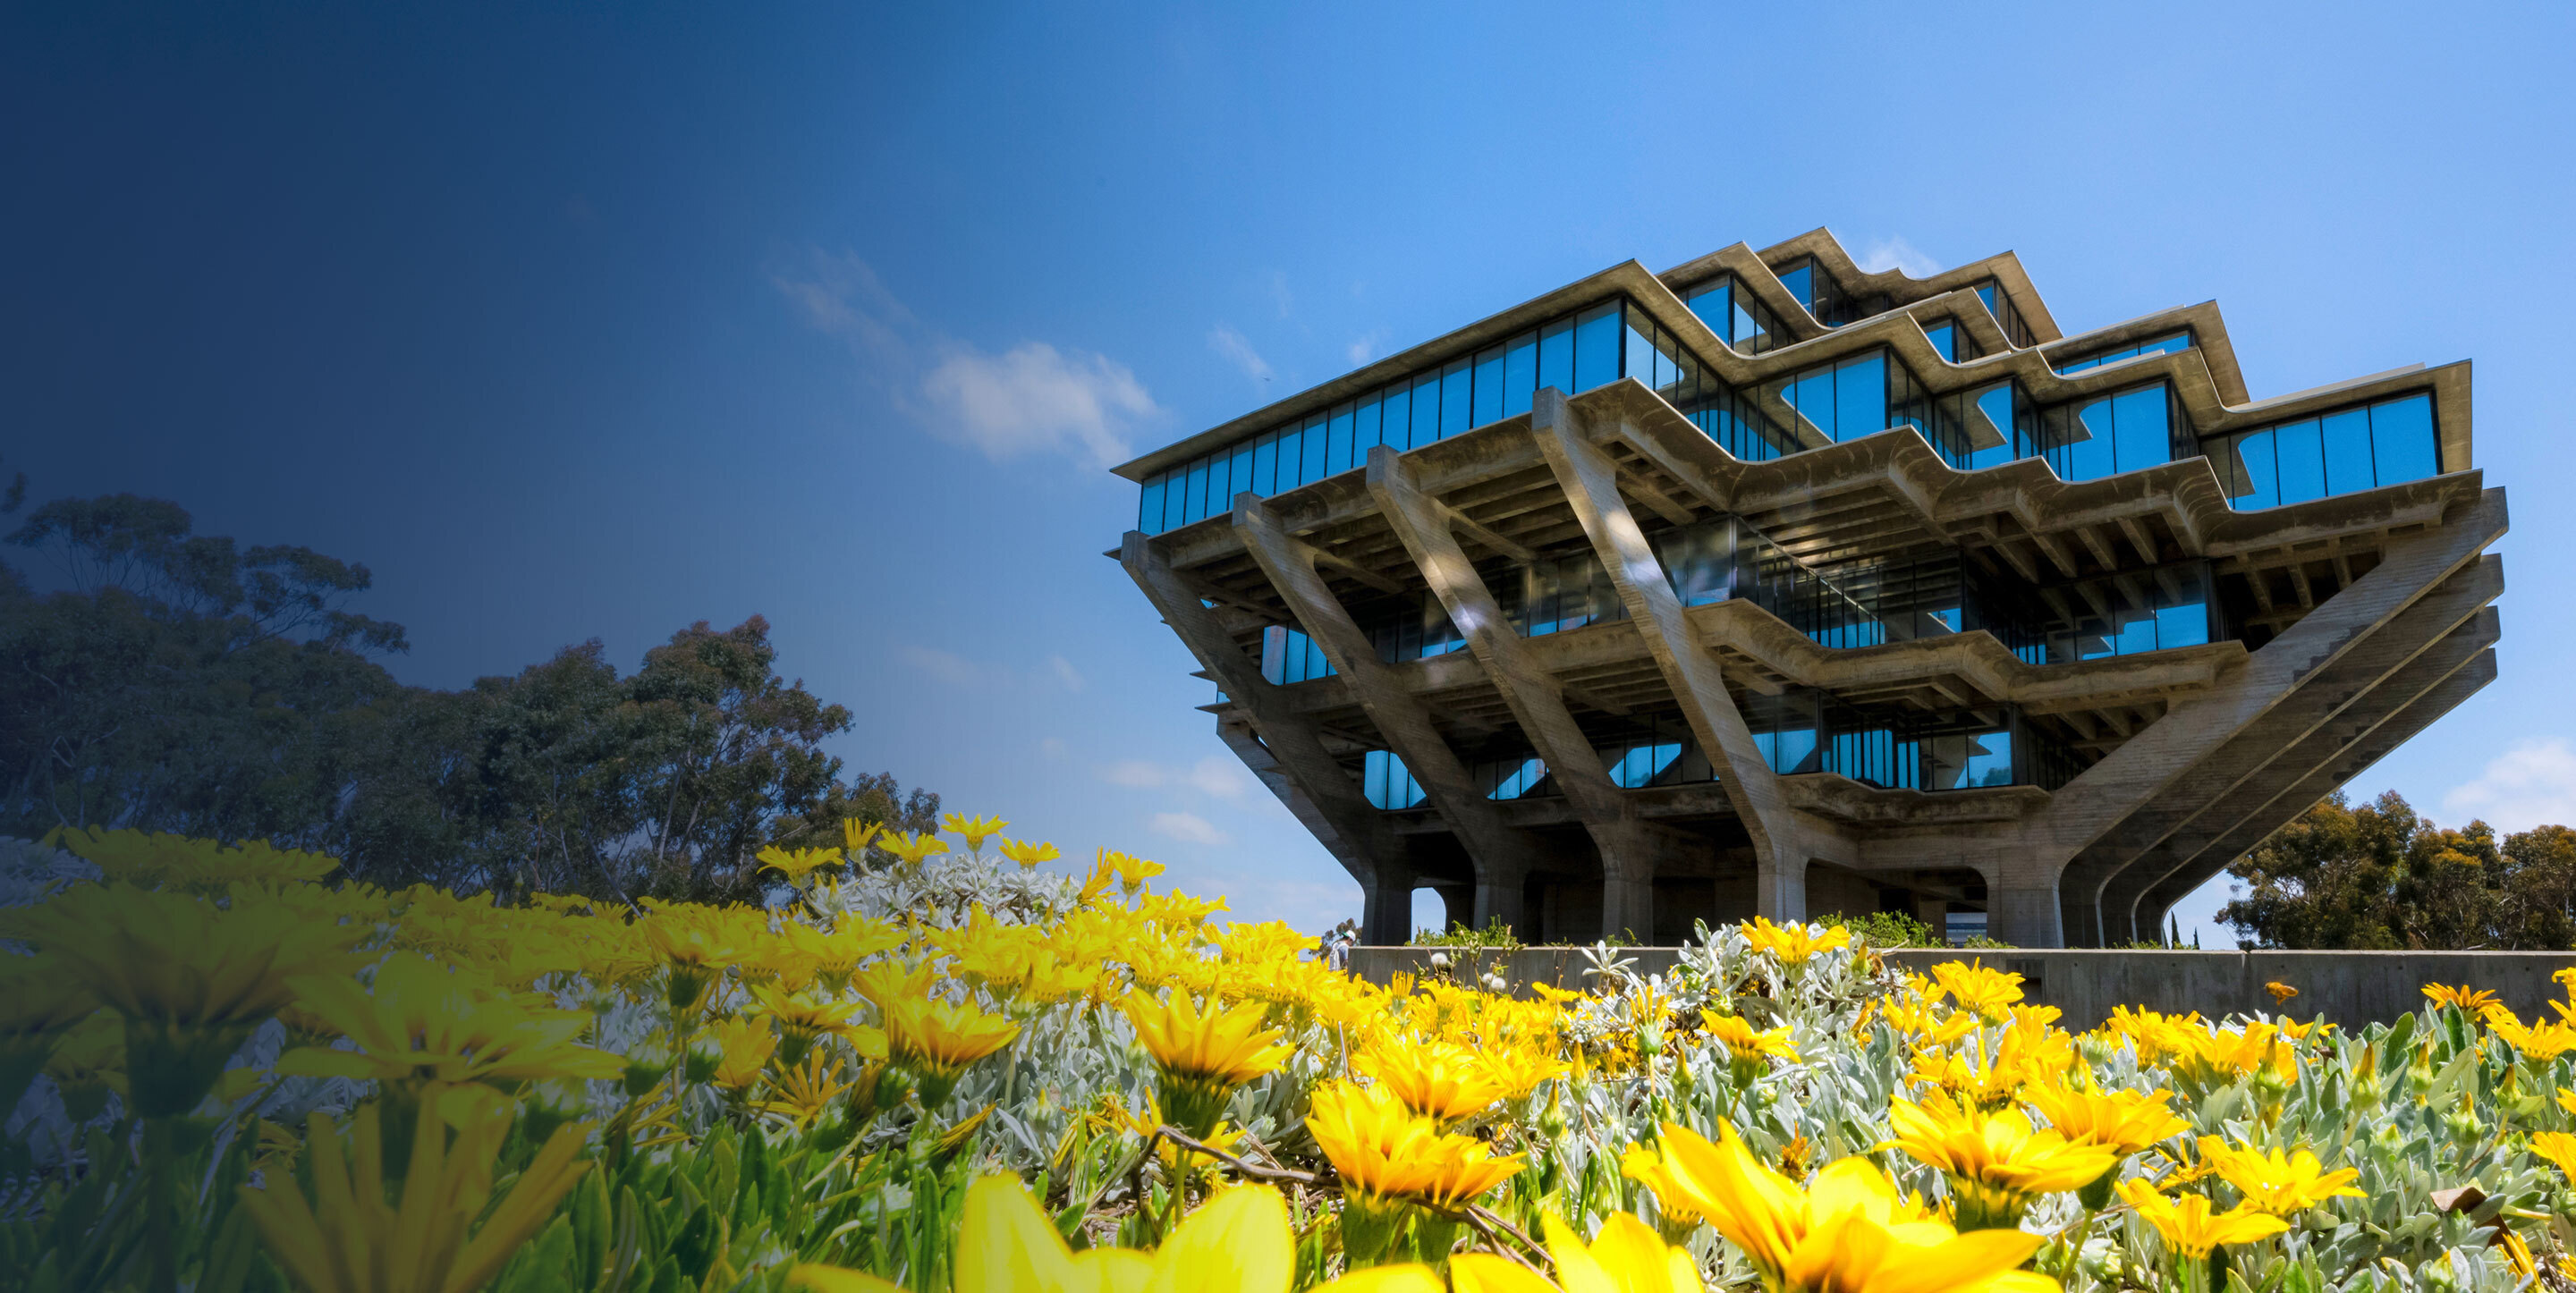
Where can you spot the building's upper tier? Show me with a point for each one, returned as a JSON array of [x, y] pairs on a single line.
[[1795, 347]]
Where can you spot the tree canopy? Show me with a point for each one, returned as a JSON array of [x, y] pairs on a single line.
[[2378, 876], [182, 683]]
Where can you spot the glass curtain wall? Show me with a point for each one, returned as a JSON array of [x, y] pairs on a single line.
[[2110, 434], [2384, 443], [2166, 345], [1390, 785], [1955, 343], [1746, 325], [1573, 352], [1999, 304]]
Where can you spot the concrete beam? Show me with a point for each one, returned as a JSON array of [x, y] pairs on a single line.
[[2382, 649], [1289, 745], [1590, 483], [1627, 844], [1501, 854], [2400, 728], [2295, 762]]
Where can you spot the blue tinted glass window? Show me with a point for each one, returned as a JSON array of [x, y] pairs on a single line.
[[1220, 466], [1596, 347], [1748, 334], [1149, 508], [1426, 410], [2401, 440], [1395, 428], [1265, 463], [1714, 305], [2347, 450], [1194, 504], [1337, 431], [1801, 283], [2091, 457], [2303, 461], [1638, 361], [2262, 479], [2182, 624], [1860, 397], [1312, 451], [1944, 338], [1994, 412], [1520, 377], [2140, 429], [1238, 476], [1556, 357], [1489, 386], [1292, 460], [1366, 429], [1457, 392]]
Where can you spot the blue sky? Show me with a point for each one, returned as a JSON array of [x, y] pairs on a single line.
[[598, 320]]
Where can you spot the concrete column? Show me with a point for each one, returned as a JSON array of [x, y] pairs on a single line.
[[1402, 718], [1780, 889], [1499, 897], [2026, 912], [1387, 916], [1590, 481], [2401, 727], [1290, 747], [1628, 906], [1425, 526]]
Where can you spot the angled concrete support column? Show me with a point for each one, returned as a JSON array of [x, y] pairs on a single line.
[[2401, 727], [1499, 897], [1423, 525], [1401, 717], [2295, 762], [2382, 651], [1782, 843], [1288, 754], [1386, 913]]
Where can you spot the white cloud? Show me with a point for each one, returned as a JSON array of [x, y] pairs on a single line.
[[1031, 398], [1365, 349], [1897, 253], [1222, 778], [1053, 747], [1189, 828], [946, 666], [1065, 673], [1138, 773], [1213, 776], [1239, 352], [1279, 294], [2531, 784]]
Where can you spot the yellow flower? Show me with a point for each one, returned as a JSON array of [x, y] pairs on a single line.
[[2277, 1183], [2126, 1121], [2281, 992], [2190, 1229], [1642, 1164], [1995, 1163], [697, 944], [1625, 1257], [198, 866], [910, 847], [1793, 943], [2558, 1147], [2473, 1000], [191, 979], [802, 1018], [1029, 855], [39, 1005], [938, 1040], [421, 1022], [855, 837], [1442, 1081], [975, 829], [1987, 992], [1238, 1241], [1745, 1044], [350, 1240], [1203, 1054], [796, 864], [1389, 1158], [2542, 1041], [1132, 872], [1849, 1233], [805, 1092], [743, 1048]]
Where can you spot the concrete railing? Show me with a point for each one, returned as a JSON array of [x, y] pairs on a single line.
[[2351, 988]]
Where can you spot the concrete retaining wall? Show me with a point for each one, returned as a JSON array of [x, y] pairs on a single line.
[[2351, 988]]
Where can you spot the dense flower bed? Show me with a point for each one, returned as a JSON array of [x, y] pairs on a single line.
[[969, 1070]]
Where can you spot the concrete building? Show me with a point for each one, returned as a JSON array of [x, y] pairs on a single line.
[[1770, 585]]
